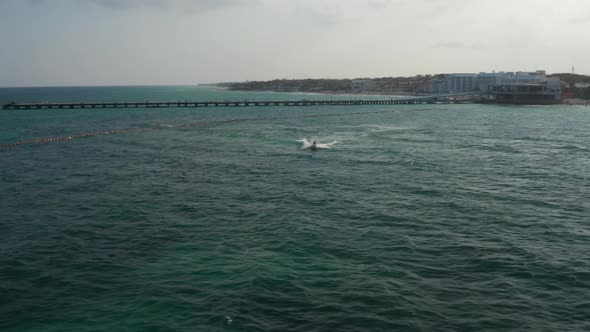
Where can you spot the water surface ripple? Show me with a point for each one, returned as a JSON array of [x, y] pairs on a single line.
[[458, 218]]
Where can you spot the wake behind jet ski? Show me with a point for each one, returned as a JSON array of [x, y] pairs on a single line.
[[315, 145]]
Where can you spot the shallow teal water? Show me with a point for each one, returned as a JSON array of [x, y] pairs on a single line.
[[421, 218]]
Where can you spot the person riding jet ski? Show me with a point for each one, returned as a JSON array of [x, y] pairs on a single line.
[[314, 145]]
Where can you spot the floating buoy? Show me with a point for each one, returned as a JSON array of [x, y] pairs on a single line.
[[190, 124]]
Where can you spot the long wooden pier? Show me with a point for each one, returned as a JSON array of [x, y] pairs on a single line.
[[244, 103]]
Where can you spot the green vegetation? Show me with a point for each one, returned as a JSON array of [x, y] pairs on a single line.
[[284, 85], [383, 85]]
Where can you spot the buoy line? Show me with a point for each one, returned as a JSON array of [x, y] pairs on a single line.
[[189, 124]]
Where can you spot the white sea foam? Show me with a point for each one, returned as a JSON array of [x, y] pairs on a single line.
[[307, 144], [381, 128]]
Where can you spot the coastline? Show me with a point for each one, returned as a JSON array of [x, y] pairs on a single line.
[[569, 101], [325, 92], [576, 102]]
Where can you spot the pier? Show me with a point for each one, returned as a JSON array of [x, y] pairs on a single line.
[[244, 103]]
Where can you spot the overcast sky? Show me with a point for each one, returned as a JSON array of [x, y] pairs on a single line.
[[161, 42]]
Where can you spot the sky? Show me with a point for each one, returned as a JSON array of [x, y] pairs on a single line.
[[177, 42]]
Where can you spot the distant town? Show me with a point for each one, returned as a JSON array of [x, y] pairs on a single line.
[[500, 87]]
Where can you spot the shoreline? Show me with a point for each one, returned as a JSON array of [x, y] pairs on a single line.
[[570, 102], [328, 92], [576, 102]]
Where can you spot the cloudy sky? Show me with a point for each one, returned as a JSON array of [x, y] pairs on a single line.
[[161, 42]]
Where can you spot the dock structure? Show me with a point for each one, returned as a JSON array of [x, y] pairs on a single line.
[[243, 103]]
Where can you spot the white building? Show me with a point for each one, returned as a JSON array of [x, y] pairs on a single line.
[[457, 83], [452, 83], [487, 80], [510, 87], [520, 87]]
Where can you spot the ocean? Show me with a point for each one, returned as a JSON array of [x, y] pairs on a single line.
[[417, 218]]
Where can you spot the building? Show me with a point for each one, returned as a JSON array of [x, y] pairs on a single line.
[[520, 88], [582, 85], [451, 83], [502, 87], [363, 85]]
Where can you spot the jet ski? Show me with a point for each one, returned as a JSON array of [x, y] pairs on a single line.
[[314, 146]]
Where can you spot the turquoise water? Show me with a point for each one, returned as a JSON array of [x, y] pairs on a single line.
[[420, 218]]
